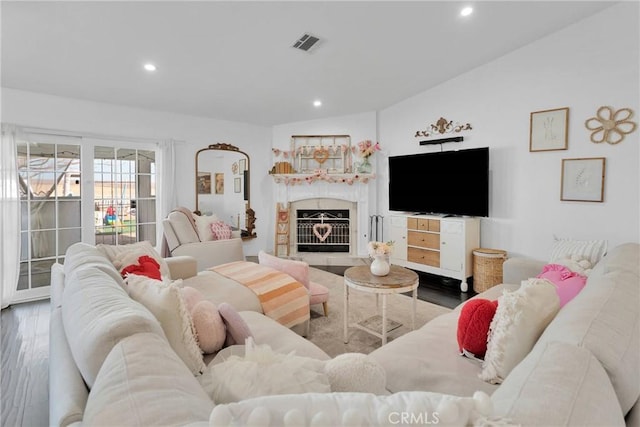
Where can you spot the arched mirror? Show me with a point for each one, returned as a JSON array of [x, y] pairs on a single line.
[[222, 186]]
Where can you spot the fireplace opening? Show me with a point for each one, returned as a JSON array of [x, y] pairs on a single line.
[[325, 230]]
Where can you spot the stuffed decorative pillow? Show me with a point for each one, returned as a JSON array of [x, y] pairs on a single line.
[[209, 326], [203, 225], [146, 266], [567, 283], [237, 329], [359, 409], [520, 319], [299, 270], [591, 250], [166, 304], [124, 255], [263, 372], [220, 230], [473, 327], [356, 372]]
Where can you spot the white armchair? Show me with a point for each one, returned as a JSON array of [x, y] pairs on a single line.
[[183, 239]]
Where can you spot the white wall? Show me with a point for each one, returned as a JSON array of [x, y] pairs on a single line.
[[360, 127], [52, 112], [587, 65]]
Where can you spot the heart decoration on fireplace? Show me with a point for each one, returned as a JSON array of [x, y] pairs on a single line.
[[320, 155], [325, 227]]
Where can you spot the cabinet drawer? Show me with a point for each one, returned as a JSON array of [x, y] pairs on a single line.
[[424, 240], [412, 223], [434, 225], [424, 256], [423, 224]]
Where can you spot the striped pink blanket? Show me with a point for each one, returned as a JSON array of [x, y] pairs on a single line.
[[283, 299]]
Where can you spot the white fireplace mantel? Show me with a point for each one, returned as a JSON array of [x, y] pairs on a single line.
[[358, 192]]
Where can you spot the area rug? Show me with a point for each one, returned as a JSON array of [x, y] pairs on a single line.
[[327, 332]]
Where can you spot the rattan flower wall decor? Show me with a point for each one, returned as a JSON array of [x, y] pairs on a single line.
[[609, 125]]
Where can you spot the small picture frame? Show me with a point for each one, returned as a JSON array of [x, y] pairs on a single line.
[[237, 185], [219, 177], [204, 183], [242, 165], [583, 179], [549, 130]]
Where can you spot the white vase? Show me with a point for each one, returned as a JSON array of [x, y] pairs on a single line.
[[380, 265]]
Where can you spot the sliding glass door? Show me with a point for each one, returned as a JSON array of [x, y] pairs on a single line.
[[124, 195], [50, 176], [75, 189]]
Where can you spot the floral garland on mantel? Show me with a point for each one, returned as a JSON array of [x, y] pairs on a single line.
[[306, 150], [322, 175]]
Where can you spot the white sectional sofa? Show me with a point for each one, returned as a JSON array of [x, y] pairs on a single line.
[[112, 365], [583, 370]]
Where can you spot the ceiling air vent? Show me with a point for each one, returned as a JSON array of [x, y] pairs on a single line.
[[306, 42]]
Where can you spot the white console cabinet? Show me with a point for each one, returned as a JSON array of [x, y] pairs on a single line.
[[437, 245]]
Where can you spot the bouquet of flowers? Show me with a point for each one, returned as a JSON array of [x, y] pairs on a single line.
[[380, 248], [367, 148]]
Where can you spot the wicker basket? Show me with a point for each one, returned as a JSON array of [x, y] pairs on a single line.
[[487, 268]]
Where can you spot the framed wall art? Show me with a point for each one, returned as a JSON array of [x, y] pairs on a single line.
[[242, 165], [204, 183], [219, 183], [548, 130], [236, 185], [583, 179]]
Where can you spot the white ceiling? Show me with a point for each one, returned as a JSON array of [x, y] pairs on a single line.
[[234, 60]]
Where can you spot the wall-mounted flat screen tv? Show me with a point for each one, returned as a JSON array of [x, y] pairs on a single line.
[[447, 182]]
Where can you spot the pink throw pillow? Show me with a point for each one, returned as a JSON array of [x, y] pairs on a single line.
[[220, 230], [568, 284], [298, 270], [191, 297], [210, 327], [237, 329]]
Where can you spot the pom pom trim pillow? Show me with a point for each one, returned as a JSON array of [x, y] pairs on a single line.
[[358, 409]]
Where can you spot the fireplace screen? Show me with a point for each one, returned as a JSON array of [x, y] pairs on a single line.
[[322, 230]]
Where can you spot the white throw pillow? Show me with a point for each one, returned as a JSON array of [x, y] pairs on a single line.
[[592, 250], [165, 302], [263, 372], [358, 409], [203, 225], [519, 321], [120, 254]]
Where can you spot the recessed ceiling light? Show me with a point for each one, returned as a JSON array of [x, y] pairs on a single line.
[[466, 11], [149, 67], [317, 103]]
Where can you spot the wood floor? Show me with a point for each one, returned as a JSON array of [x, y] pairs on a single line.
[[24, 354]]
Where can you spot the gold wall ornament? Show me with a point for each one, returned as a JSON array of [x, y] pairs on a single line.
[[610, 125], [441, 127]]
